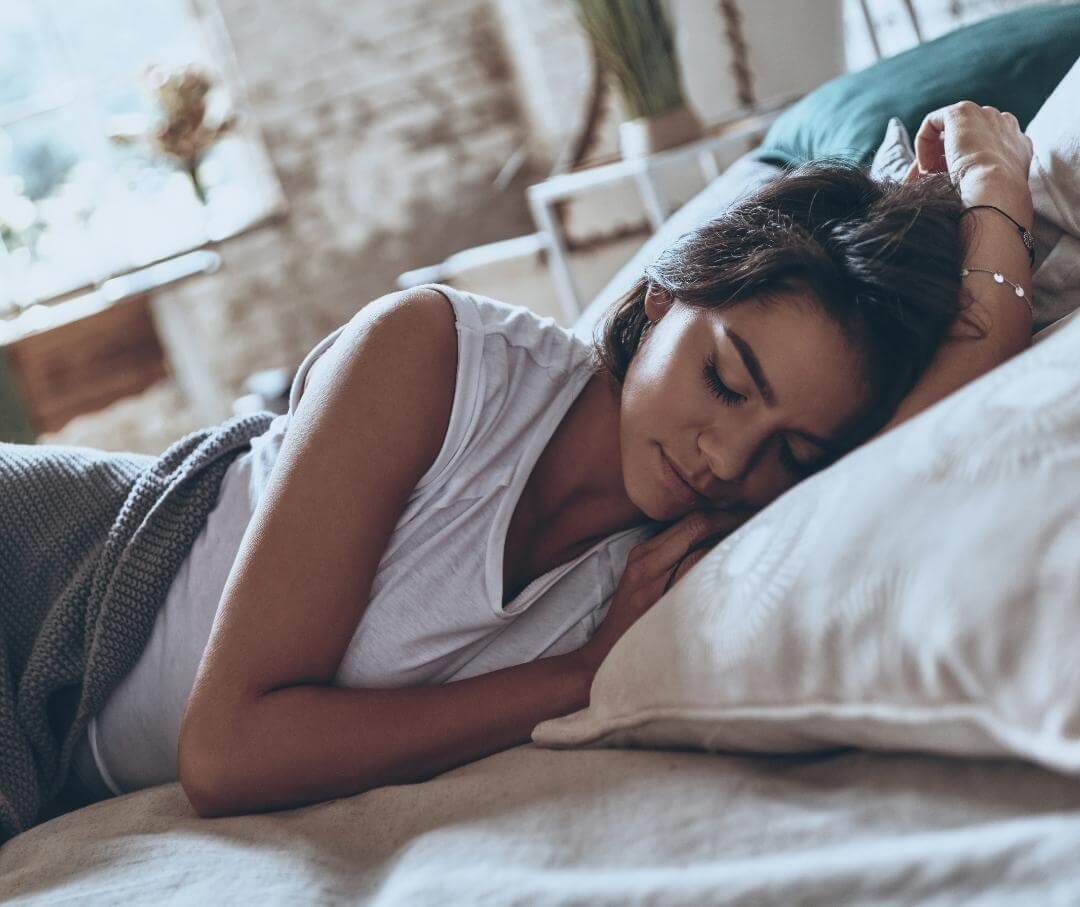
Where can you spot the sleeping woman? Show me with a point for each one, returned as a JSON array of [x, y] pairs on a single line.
[[467, 506]]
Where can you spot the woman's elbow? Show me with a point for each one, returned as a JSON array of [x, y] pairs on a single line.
[[203, 773], [204, 787], [205, 800]]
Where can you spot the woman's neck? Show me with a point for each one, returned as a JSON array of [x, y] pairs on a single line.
[[579, 495]]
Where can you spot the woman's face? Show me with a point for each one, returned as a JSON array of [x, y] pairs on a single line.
[[739, 400]]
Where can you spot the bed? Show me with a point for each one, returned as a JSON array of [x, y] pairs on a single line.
[[625, 820], [620, 827]]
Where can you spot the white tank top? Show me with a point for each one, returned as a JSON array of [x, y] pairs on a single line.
[[435, 613]]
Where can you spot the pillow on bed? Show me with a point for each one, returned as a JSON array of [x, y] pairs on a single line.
[[1055, 190], [1011, 61], [920, 594], [1054, 179], [895, 153]]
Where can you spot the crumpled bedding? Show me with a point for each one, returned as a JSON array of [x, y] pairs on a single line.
[[596, 826], [89, 543]]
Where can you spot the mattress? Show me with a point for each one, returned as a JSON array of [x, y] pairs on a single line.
[[597, 826]]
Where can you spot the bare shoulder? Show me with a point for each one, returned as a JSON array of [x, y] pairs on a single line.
[[420, 321], [421, 303]]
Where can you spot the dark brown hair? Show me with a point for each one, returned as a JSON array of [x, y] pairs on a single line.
[[882, 259]]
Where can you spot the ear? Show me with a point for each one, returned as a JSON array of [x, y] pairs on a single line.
[[657, 302]]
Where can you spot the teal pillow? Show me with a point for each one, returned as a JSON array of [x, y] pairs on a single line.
[[1012, 61]]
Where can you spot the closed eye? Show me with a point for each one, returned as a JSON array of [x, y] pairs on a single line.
[[721, 390]]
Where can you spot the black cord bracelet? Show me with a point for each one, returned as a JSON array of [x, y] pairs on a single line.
[[1025, 234]]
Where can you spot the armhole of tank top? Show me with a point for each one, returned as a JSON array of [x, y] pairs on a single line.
[[99, 761], [470, 334], [297, 386], [467, 380]]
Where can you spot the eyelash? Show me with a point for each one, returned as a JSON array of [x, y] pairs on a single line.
[[731, 398], [725, 393]]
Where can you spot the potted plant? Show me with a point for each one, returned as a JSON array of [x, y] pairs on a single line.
[[633, 44]]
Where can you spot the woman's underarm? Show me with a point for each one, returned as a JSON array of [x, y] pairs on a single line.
[[993, 243]]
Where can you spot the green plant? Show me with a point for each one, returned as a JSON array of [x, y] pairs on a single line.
[[633, 42]]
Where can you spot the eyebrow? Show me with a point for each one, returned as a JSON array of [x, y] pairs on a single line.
[[754, 368]]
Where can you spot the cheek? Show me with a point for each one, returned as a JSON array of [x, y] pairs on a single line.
[[640, 427], [664, 377], [641, 388], [636, 429]]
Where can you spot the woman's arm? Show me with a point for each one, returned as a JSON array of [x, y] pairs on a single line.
[[988, 157], [310, 742], [264, 726]]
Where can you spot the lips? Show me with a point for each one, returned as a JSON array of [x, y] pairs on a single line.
[[689, 491]]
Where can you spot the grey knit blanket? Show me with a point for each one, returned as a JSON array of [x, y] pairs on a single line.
[[89, 544]]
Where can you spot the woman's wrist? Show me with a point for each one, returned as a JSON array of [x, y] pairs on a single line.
[[995, 249], [1000, 187], [585, 662], [994, 241]]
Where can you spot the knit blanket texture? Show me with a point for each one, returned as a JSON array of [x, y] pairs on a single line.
[[90, 542]]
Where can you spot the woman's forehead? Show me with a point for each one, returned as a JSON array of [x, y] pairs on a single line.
[[802, 354]]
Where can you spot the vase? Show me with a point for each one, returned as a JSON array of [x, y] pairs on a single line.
[[647, 135]]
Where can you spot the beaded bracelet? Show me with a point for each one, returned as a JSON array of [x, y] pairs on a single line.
[[1001, 278]]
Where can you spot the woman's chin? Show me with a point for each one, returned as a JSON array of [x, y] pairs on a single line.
[[660, 509], [649, 495]]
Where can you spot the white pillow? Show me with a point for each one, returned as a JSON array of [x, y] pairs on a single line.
[[1054, 180], [921, 594], [895, 154]]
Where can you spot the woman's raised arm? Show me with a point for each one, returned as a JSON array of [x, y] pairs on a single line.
[[988, 157]]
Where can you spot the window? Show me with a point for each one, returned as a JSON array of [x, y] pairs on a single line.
[[77, 207]]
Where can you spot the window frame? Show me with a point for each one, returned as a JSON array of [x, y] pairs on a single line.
[[271, 207]]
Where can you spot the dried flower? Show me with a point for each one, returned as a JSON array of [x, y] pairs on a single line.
[[183, 134]]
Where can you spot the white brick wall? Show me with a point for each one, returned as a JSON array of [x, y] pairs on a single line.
[[550, 63], [386, 124]]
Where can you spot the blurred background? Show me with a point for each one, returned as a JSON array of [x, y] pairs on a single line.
[[194, 192]]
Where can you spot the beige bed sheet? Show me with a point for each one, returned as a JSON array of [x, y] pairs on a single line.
[[566, 827]]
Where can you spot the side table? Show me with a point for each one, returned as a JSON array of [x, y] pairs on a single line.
[[723, 136]]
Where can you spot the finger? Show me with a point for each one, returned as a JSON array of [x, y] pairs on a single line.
[[730, 520], [660, 553], [913, 172], [665, 548], [930, 143], [934, 135], [684, 567]]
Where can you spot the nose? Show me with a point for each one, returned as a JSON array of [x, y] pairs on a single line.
[[729, 451]]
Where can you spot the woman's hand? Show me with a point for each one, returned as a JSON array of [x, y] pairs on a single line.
[[652, 567], [984, 152]]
